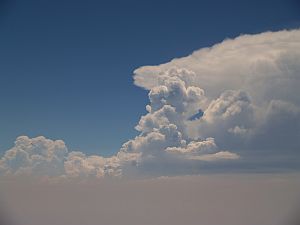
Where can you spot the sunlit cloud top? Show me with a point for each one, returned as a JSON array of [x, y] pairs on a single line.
[[247, 90]]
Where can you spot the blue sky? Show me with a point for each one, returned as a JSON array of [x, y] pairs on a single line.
[[66, 65]]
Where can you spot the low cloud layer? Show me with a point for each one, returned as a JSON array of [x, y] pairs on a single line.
[[192, 200], [242, 96]]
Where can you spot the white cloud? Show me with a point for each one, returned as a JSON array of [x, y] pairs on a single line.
[[78, 164], [44, 157], [247, 89], [173, 90], [37, 155], [164, 137], [257, 64], [251, 85], [229, 105], [223, 155], [195, 147], [238, 130]]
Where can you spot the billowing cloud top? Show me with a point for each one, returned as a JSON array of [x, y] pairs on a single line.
[[236, 101], [251, 85], [265, 65]]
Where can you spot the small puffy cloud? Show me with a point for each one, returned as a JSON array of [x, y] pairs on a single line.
[[78, 164], [222, 155], [155, 141], [228, 105], [195, 148], [50, 158], [172, 90], [238, 130], [164, 116], [38, 155], [205, 150]]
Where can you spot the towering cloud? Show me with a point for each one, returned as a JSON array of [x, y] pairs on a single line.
[[251, 86], [235, 101]]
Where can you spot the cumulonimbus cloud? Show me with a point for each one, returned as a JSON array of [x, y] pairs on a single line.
[[251, 85], [247, 90]]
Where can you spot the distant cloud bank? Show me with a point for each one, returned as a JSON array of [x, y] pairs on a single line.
[[247, 89]]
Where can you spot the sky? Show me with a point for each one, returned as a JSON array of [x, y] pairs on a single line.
[[66, 66], [149, 112], [130, 89]]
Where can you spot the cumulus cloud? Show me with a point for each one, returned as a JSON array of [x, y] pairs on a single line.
[[242, 95], [202, 150], [44, 157], [164, 129], [257, 64], [37, 155], [251, 85]]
